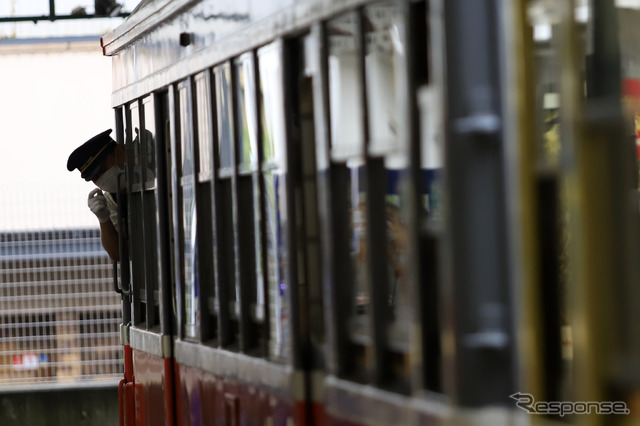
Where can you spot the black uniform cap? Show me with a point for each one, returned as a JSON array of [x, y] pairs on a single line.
[[89, 156]]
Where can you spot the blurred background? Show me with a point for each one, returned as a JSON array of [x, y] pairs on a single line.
[[59, 316]]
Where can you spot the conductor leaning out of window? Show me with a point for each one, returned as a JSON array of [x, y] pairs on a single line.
[[100, 160]]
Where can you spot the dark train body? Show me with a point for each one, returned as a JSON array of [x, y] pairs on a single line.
[[347, 213]]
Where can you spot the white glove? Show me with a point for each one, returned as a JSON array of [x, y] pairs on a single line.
[[98, 205]]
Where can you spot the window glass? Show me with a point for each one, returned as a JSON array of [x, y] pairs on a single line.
[[224, 230], [150, 210], [257, 214], [186, 133], [274, 198], [276, 244], [397, 251], [225, 115], [246, 119], [190, 269], [134, 147], [384, 59], [344, 88], [271, 104], [225, 241], [432, 154], [191, 284], [549, 143], [384, 71], [203, 100], [148, 144], [358, 240], [135, 228]]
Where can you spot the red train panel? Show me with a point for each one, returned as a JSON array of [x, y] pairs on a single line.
[[204, 399], [153, 390]]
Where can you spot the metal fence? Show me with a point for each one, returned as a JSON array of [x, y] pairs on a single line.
[[59, 316]]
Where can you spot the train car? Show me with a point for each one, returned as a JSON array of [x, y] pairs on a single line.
[[352, 212]]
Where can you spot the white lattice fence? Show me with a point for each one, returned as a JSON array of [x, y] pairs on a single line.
[[59, 316]]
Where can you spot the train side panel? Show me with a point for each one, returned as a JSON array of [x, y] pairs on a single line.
[[206, 399], [151, 389]]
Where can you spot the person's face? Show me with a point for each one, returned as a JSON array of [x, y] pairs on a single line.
[[116, 157], [109, 161]]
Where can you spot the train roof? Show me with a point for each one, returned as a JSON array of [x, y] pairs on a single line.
[[271, 18], [146, 15], [164, 41]]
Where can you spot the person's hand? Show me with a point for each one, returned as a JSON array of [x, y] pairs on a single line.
[[98, 205]]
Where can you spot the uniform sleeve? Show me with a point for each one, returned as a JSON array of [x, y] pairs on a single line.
[[113, 210]]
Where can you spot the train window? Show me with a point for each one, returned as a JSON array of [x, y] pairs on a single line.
[[186, 130], [274, 198], [147, 151], [347, 146], [204, 203], [257, 214], [149, 213], [224, 244], [376, 186], [205, 136], [428, 209], [344, 88], [225, 116], [383, 58], [189, 240], [275, 222], [397, 251], [190, 258], [384, 70], [248, 196], [358, 214], [133, 130], [431, 152], [552, 211], [136, 224], [271, 101], [245, 117], [301, 129], [123, 224]]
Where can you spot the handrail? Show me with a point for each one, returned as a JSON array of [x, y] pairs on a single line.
[[122, 238], [116, 288]]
